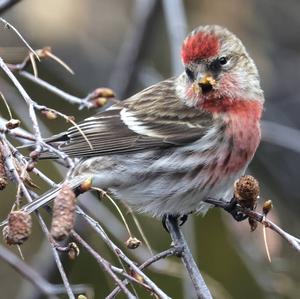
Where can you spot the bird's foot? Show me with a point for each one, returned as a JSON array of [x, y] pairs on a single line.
[[231, 208], [181, 219]]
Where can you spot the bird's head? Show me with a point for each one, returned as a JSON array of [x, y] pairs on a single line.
[[217, 66]]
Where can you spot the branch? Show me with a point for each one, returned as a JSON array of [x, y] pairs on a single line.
[[10, 26], [14, 173], [261, 218], [99, 230], [201, 289], [35, 278], [150, 261], [95, 99], [104, 264]]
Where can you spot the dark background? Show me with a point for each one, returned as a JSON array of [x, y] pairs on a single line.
[[128, 45]]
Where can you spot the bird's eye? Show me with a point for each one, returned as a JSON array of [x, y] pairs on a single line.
[[223, 60], [190, 74], [217, 64]]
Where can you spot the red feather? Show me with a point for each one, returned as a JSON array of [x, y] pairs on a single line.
[[242, 118], [200, 46]]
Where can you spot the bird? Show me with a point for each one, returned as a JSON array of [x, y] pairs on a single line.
[[167, 148]]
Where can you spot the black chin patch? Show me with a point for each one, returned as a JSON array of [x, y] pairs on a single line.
[[205, 87]]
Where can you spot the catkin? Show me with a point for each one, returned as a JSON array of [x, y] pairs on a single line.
[[18, 229], [63, 218]]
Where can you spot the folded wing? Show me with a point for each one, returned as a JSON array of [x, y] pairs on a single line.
[[153, 118]]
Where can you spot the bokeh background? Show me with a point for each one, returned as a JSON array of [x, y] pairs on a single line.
[[128, 45]]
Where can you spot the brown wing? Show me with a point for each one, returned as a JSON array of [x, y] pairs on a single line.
[[153, 118]]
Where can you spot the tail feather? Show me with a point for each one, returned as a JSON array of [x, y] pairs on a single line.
[[48, 196]]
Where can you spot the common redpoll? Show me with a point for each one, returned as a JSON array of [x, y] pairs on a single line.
[[167, 148]]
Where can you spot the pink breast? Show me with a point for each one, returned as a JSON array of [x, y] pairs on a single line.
[[242, 134]]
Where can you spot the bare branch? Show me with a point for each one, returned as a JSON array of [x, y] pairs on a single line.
[[104, 264], [35, 278], [99, 230], [201, 289], [9, 26], [164, 254], [293, 241]]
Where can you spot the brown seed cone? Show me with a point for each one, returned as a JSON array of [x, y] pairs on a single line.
[[3, 176], [247, 191], [18, 229], [133, 243], [12, 124], [63, 218]]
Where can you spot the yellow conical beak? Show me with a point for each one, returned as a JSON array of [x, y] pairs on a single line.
[[204, 85]]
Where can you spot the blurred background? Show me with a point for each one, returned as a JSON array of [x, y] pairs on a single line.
[[128, 45]]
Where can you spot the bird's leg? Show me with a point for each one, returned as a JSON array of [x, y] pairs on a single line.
[[182, 219], [173, 221], [164, 220], [231, 208]]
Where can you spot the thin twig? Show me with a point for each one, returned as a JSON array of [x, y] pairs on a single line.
[[27, 99], [44, 286], [162, 255], [35, 278], [32, 105], [293, 241], [62, 94], [14, 173], [99, 230], [104, 264], [10, 26]]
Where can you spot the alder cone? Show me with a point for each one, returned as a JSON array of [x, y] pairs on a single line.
[[133, 243], [247, 191], [18, 229], [63, 218]]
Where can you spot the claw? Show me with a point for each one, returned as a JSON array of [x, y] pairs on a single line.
[[182, 219], [231, 209], [164, 220]]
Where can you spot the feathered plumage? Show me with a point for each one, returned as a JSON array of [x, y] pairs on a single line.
[[153, 118], [168, 147]]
